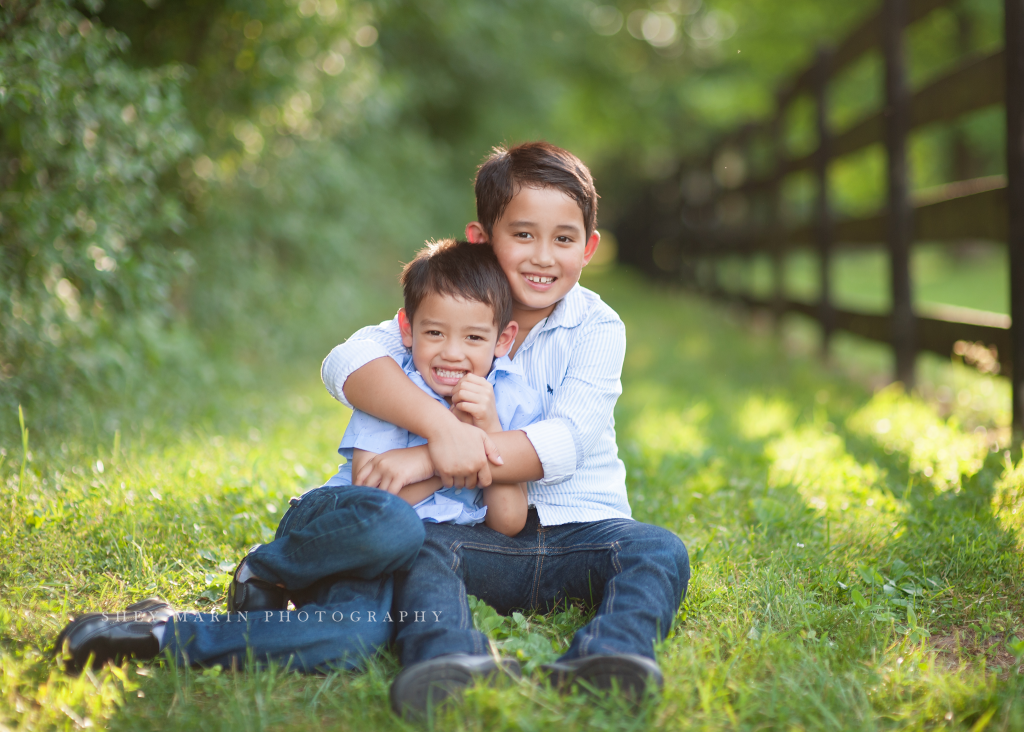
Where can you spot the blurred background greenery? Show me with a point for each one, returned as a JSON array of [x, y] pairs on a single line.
[[192, 178]]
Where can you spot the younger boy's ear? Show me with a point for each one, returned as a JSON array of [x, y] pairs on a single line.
[[406, 327], [591, 248], [475, 233], [506, 339]]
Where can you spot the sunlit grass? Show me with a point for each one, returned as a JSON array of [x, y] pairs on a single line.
[[857, 556]]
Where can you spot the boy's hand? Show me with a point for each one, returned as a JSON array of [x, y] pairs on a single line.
[[473, 395], [393, 470], [464, 417], [461, 454]]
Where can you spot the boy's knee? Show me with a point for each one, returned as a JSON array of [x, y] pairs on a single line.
[[672, 551], [682, 560]]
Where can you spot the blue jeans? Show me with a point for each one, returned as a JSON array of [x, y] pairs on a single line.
[[336, 549], [635, 575]]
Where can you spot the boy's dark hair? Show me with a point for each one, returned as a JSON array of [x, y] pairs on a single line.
[[458, 269], [537, 164]]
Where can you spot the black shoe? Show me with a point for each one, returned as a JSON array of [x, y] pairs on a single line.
[[112, 636], [254, 594], [631, 674], [426, 685]]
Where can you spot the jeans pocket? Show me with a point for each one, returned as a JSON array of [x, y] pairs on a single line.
[[286, 520], [309, 506], [296, 506]]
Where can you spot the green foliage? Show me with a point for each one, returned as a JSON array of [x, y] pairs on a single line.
[[84, 285], [226, 168], [533, 640]]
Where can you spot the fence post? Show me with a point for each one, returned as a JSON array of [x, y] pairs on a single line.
[[776, 223], [711, 244], [900, 215], [823, 209], [1014, 13]]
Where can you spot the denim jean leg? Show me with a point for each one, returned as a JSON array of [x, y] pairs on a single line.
[[350, 531], [496, 568], [636, 574], [343, 626]]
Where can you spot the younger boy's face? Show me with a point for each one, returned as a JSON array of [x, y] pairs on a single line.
[[451, 337], [541, 242]]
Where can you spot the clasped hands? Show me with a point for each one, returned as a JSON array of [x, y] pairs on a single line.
[[458, 451]]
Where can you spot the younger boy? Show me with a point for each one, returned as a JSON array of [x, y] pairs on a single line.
[[456, 329], [457, 324]]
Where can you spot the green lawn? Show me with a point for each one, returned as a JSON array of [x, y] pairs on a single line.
[[856, 557]]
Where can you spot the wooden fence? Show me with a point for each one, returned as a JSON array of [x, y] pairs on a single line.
[[675, 227]]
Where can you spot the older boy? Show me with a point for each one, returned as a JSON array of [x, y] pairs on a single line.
[[537, 207], [338, 545]]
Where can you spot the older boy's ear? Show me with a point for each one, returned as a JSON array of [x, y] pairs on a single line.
[[475, 233], [506, 339], [406, 327], [591, 248]]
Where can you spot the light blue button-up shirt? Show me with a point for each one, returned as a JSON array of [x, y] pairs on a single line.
[[573, 359], [517, 404]]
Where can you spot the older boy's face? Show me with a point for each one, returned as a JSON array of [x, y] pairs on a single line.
[[541, 242], [449, 338]]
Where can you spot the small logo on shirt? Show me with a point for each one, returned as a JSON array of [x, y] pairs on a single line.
[[550, 390]]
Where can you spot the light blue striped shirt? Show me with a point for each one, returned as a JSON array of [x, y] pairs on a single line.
[[573, 358]]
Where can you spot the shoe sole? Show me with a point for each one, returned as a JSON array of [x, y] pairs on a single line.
[[418, 695]]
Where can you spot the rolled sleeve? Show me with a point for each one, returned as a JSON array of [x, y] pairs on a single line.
[[556, 447], [365, 345], [343, 360], [586, 397]]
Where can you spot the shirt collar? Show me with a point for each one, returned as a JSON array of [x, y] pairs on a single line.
[[506, 365], [569, 311], [410, 369]]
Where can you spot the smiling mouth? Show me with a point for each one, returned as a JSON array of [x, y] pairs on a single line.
[[537, 279], [449, 376]]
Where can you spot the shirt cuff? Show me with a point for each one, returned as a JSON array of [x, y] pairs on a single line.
[[343, 360], [556, 448]]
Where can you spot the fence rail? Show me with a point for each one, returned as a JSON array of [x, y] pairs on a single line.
[[677, 226]]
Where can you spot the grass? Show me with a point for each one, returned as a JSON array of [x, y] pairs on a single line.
[[856, 555]]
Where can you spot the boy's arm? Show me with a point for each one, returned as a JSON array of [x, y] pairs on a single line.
[[416, 492], [475, 399], [462, 455], [550, 451], [507, 507], [580, 410], [360, 370], [412, 493], [360, 458], [365, 345]]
